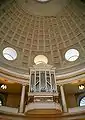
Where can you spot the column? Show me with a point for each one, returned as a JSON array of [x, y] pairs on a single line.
[[21, 110], [63, 98]]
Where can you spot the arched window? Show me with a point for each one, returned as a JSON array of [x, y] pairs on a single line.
[[82, 101], [0, 102]]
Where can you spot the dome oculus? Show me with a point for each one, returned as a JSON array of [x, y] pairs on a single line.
[[42, 1], [40, 59], [71, 55], [9, 53]]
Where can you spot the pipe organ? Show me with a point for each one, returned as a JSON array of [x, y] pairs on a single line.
[[43, 93]]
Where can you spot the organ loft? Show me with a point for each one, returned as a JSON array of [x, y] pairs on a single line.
[[43, 93]]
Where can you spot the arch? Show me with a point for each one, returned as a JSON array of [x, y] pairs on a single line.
[[82, 101], [81, 98], [2, 99]]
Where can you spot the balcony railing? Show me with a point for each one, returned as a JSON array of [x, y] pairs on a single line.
[[76, 109], [43, 105], [8, 109], [42, 90], [37, 105], [43, 93]]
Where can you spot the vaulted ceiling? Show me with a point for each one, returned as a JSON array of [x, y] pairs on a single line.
[[34, 28]]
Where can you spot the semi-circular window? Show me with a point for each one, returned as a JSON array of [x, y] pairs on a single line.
[[0, 102], [82, 101]]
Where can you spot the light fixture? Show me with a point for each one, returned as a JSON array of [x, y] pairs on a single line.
[[9, 53], [3, 86], [72, 55], [40, 59], [81, 87]]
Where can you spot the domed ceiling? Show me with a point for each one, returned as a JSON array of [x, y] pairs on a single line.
[[49, 29], [50, 8]]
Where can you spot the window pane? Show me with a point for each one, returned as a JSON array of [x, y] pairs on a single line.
[[82, 102]]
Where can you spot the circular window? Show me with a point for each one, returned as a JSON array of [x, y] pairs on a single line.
[[40, 59], [82, 102], [42, 1], [72, 55], [9, 53]]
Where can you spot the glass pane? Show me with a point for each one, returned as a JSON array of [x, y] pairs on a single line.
[[32, 79], [0, 103], [37, 73], [47, 73], [82, 102], [37, 79], [48, 88], [37, 87], [42, 76], [48, 79], [53, 81]]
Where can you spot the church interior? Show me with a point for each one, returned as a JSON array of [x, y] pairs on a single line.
[[42, 59]]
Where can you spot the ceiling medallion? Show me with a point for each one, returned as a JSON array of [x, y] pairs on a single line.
[[42, 1]]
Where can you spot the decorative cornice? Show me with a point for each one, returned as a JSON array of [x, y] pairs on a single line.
[[13, 76], [43, 66], [70, 74], [70, 79]]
